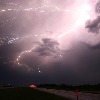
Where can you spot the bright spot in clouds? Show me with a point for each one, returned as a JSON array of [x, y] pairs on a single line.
[[44, 30]]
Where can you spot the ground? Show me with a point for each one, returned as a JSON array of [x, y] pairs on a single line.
[[26, 94]]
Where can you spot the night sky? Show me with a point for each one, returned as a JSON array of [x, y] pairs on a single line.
[[49, 41]]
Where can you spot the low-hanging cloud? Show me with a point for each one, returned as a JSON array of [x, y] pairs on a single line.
[[93, 25], [48, 47], [97, 7]]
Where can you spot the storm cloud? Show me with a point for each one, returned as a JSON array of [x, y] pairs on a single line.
[[93, 25], [46, 41], [48, 47], [97, 7]]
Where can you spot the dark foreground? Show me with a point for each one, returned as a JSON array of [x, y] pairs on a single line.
[[26, 94], [86, 95]]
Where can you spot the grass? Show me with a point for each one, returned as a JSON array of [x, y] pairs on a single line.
[[27, 94]]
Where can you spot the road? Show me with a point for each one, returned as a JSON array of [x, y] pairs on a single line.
[[72, 95]]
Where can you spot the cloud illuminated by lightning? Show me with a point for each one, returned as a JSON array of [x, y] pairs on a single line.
[[79, 13], [82, 14]]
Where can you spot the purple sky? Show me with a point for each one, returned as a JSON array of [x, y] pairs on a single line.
[[49, 41]]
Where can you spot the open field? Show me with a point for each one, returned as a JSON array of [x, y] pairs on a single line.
[[45, 94], [86, 95], [26, 94]]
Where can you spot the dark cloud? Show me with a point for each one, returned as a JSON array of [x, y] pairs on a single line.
[[93, 25], [48, 47], [97, 7], [80, 65], [95, 47]]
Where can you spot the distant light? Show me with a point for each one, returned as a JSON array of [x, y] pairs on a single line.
[[3, 10], [32, 86], [18, 63], [61, 56], [9, 9], [35, 35]]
